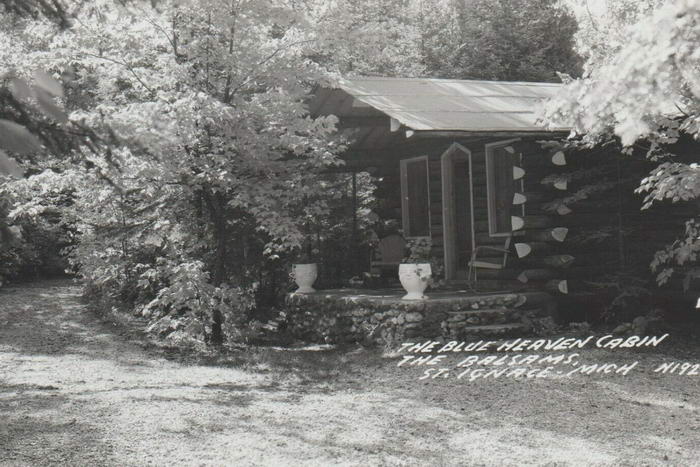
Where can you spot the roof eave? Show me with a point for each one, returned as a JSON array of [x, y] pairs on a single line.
[[489, 132]]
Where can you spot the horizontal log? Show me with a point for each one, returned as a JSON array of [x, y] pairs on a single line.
[[563, 210], [581, 286], [552, 261], [556, 234], [534, 248], [557, 285], [572, 273], [531, 299], [601, 218], [558, 261], [561, 185], [546, 160], [539, 209], [500, 274], [537, 197], [531, 222], [528, 275], [483, 238]]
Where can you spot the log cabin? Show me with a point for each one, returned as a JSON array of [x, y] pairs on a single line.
[[467, 165], [460, 163]]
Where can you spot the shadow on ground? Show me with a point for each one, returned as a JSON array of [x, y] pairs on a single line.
[[32, 434]]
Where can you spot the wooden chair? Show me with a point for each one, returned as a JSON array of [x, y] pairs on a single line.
[[475, 263], [388, 254]]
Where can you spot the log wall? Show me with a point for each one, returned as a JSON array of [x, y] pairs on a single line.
[[554, 247]]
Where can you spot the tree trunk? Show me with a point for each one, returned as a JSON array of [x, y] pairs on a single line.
[[215, 203]]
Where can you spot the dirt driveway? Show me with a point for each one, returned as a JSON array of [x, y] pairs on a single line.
[[77, 391]]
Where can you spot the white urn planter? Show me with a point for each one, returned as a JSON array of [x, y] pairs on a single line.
[[305, 275], [414, 278]]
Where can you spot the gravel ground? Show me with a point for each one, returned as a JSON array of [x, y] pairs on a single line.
[[76, 390]]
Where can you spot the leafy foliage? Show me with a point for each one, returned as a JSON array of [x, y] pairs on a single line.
[[366, 37], [216, 170], [643, 90], [528, 40], [418, 249], [500, 40]]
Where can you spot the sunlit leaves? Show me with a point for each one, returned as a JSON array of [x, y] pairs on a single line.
[[635, 91], [671, 181], [207, 102], [642, 86]]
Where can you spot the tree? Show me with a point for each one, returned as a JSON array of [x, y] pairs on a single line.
[[366, 37], [468, 39], [602, 32], [208, 99], [500, 40], [646, 95]]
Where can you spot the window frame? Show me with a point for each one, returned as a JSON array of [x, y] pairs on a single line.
[[491, 185]]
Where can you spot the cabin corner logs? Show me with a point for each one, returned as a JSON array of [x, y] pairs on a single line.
[[550, 250]]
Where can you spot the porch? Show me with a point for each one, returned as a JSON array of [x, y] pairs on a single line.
[[381, 316]]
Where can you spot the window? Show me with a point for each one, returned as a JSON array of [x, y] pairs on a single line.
[[501, 159], [415, 197]]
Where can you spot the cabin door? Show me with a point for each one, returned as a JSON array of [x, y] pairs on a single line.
[[457, 210]]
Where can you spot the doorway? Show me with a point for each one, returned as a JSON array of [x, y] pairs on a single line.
[[458, 210]]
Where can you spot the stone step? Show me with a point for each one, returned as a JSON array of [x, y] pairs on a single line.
[[477, 312], [483, 316], [493, 316]]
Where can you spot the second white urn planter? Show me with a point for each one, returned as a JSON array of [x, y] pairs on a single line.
[[414, 278], [305, 275]]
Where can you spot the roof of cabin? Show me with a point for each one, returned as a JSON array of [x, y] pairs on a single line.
[[423, 104]]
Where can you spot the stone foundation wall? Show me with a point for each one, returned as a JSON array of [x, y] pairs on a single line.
[[342, 317]]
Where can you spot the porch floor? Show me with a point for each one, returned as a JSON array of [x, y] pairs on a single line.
[[442, 293]]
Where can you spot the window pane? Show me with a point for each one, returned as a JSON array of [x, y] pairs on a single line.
[[501, 190]]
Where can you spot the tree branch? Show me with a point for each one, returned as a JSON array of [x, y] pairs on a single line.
[[125, 65]]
